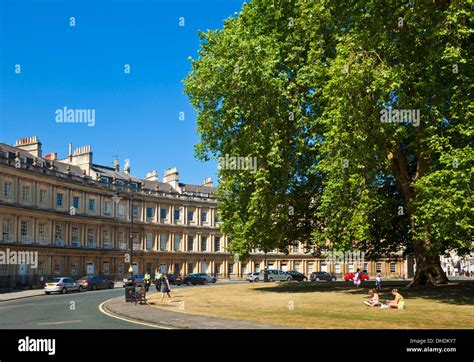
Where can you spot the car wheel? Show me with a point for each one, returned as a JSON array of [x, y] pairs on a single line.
[[80, 289], [188, 283], [48, 293], [214, 280], [111, 286], [317, 279], [305, 279], [288, 279], [204, 281], [333, 279], [257, 280], [270, 279], [64, 291], [94, 287]]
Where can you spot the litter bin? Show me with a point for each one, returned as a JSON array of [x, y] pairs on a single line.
[[130, 291]]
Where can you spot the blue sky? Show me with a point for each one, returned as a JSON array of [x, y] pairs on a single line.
[[82, 67]]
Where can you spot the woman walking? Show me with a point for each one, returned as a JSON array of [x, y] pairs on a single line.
[[165, 288]]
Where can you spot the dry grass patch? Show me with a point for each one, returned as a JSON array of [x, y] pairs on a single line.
[[326, 305]]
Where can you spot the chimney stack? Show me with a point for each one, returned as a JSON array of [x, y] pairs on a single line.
[[31, 145], [116, 165], [207, 182], [171, 177], [126, 167], [152, 176]]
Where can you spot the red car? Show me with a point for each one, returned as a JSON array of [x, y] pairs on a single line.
[[349, 277]]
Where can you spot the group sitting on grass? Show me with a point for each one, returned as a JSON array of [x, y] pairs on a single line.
[[374, 301]]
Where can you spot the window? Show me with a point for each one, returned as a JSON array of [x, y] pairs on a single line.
[[58, 233], [177, 268], [57, 268], [190, 243], [393, 268], [105, 267], [217, 243], [177, 242], [91, 204], [41, 230], [149, 212], [177, 214], [351, 268], [190, 215], [106, 238], [75, 236], [136, 211], [25, 193], [310, 268], [74, 268], [257, 268], [24, 226], [121, 210], [163, 241], [42, 197], [218, 268], [75, 202], [106, 207], [6, 229], [204, 216], [190, 267], [216, 218], [231, 268], [364, 268], [149, 241], [7, 189], [378, 267], [296, 248], [337, 268], [120, 268], [163, 213], [244, 268], [59, 200], [90, 238], [203, 243], [120, 239]]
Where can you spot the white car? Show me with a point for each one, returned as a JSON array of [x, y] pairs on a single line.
[[209, 278], [273, 275], [62, 285]]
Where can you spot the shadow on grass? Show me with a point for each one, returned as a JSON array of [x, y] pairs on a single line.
[[459, 293]]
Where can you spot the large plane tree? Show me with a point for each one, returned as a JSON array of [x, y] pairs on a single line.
[[358, 115]]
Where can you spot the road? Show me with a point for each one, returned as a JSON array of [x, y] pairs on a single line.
[[68, 311]]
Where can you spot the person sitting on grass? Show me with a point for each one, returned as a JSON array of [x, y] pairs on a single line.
[[398, 302], [374, 299]]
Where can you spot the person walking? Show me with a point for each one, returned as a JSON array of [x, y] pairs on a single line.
[[357, 278], [158, 279], [165, 288], [147, 281], [378, 282]]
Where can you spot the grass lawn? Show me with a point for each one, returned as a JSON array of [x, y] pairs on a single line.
[[323, 305]]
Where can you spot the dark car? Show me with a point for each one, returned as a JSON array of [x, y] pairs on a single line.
[[318, 276], [193, 279], [175, 279], [296, 275], [97, 282]]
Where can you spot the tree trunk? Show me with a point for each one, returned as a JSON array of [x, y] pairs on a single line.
[[428, 267]]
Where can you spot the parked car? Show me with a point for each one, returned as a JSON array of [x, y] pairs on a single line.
[[349, 277], [209, 278], [193, 279], [62, 285], [97, 282], [296, 275], [175, 279], [273, 275], [318, 276], [139, 280]]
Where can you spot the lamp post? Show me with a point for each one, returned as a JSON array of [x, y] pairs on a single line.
[[116, 198]]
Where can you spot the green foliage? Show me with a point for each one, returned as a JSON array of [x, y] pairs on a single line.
[[300, 85]]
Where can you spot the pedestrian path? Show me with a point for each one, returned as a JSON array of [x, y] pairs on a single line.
[[21, 294], [162, 318]]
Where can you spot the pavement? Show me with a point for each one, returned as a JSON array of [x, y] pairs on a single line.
[[160, 318]]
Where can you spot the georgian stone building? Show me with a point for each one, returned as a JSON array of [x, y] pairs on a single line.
[[77, 215]]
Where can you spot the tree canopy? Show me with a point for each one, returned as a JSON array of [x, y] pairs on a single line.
[[359, 116]]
